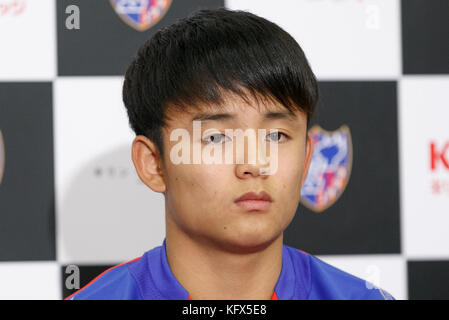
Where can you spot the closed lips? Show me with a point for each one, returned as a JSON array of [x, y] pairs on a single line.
[[262, 196]]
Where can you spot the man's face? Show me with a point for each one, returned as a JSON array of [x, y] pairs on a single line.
[[200, 198]]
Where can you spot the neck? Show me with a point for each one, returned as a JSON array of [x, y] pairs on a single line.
[[209, 271]]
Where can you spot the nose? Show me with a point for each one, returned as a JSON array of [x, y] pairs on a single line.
[[245, 171], [253, 160]]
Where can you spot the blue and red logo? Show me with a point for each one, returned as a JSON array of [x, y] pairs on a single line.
[[329, 169], [141, 14]]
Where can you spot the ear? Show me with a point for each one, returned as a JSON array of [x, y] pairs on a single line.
[[308, 158], [148, 163]]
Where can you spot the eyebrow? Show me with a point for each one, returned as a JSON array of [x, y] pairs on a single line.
[[229, 116]]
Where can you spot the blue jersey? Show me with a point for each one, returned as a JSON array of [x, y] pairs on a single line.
[[303, 277]]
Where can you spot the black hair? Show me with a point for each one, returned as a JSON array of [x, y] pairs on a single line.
[[213, 51]]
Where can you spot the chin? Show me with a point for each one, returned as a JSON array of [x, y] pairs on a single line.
[[247, 242]]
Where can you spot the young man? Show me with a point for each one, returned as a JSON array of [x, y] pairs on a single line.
[[230, 71]]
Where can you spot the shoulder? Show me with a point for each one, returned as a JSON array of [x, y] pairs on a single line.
[[116, 283], [330, 283]]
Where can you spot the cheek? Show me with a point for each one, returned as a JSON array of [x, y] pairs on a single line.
[[205, 180], [291, 166], [288, 177], [197, 189]]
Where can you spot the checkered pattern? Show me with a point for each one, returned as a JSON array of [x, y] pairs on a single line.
[[69, 193]]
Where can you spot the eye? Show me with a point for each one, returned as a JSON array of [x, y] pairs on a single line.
[[215, 138], [276, 135]]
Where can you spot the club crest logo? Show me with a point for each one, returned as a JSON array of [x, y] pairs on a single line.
[[141, 14], [329, 169], [2, 156]]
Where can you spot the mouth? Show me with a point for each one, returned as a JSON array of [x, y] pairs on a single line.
[[254, 201]]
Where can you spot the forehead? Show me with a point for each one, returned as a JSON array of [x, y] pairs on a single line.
[[236, 109]]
